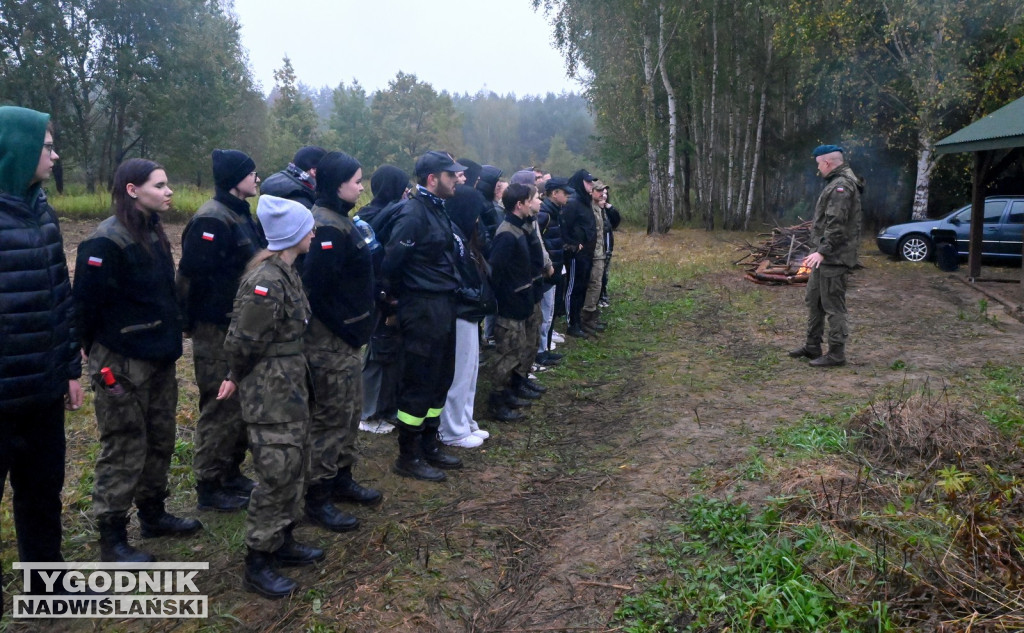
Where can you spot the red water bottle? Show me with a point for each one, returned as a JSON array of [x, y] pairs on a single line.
[[114, 388]]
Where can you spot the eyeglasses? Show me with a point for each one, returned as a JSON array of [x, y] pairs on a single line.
[[48, 147]]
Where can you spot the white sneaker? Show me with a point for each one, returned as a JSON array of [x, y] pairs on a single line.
[[376, 426], [553, 346], [556, 337], [482, 434], [470, 441]]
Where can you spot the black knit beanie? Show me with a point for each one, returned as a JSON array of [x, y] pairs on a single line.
[[308, 157], [230, 167], [335, 169]]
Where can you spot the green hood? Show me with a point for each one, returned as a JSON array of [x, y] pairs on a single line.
[[22, 132]]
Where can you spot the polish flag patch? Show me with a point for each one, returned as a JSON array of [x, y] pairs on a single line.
[[207, 236], [326, 245], [96, 261], [261, 291]]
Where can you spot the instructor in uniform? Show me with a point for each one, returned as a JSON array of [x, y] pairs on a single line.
[[835, 238]]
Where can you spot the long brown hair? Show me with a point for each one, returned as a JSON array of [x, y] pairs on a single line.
[[136, 171]]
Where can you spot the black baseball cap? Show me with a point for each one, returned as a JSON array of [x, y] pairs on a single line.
[[557, 183], [434, 161]]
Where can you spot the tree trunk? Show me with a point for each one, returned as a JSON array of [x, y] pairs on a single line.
[[655, 208], [925, 165], [673, 130]]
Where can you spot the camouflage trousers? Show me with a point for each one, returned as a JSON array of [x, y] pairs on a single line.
[[220, 441], [528, 353], [594, 285], [335, 410], [275, 404], [826, 298], [136, 431], [509, 340]]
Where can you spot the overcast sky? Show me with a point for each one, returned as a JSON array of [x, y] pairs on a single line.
[[498, 45]]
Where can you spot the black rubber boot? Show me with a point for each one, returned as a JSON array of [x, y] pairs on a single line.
[[296, 554], [238, 484], [114, 547], [155, 521], [211, 496], [498, 410], [260, 576], [433, 450], [411, 461], [319, 510], [344, 488]]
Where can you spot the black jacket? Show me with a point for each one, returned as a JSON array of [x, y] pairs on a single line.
[[420, 253], [337, 274], [578, 223], [550, 221], [511, 275], [38, 346], [216, 245], [124, 297], [291, 183]]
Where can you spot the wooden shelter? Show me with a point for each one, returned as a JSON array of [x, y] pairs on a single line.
[[996, 141]]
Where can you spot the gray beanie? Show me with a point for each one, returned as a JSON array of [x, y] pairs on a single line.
[[285, 222], [523, 177]]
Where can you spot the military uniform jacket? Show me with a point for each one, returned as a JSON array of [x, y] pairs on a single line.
[[837, 219], [216, 245], [264, 343], [338, 276], [124, 296]]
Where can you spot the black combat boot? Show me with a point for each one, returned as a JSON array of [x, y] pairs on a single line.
[[807, 351], [576, 331], [432, 447], [294, 553], [344, 488], [514, 402], [211, 496], [522, 388], [533, 385], [236, 483], [155, 521], [411, 461], [260, 576], [836, 357], [114, 547], [319, 509], [499, 410]]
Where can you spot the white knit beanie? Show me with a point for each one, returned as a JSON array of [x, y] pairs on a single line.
[[285, 222]]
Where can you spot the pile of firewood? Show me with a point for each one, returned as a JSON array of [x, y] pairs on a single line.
[[778, 259]]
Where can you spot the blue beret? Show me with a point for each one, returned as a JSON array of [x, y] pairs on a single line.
[[821, 150]]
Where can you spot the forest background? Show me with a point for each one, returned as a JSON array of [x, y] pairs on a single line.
[[701, 112]]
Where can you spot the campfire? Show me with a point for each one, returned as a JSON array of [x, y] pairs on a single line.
[[779, 258]]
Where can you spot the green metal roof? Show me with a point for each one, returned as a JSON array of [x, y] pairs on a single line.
[[1003, 129]]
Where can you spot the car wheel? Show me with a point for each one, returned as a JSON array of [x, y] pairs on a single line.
[[915, 248]]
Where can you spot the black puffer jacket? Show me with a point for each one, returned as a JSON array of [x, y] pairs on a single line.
[[550, 221], [38, 347]]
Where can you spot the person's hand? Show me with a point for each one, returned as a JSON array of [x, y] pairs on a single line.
[[391, 321], [813, 260], [550, 270], [74, 398], [227, 389]]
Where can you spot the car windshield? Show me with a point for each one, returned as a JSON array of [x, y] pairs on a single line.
[[993, 212]]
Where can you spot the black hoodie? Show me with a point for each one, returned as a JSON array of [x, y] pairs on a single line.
[[578, 223]]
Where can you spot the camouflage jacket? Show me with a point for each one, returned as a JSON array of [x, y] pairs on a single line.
[[270, 317], [837, 218]]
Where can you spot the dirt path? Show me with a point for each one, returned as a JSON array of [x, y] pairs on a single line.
[[540, 531]]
